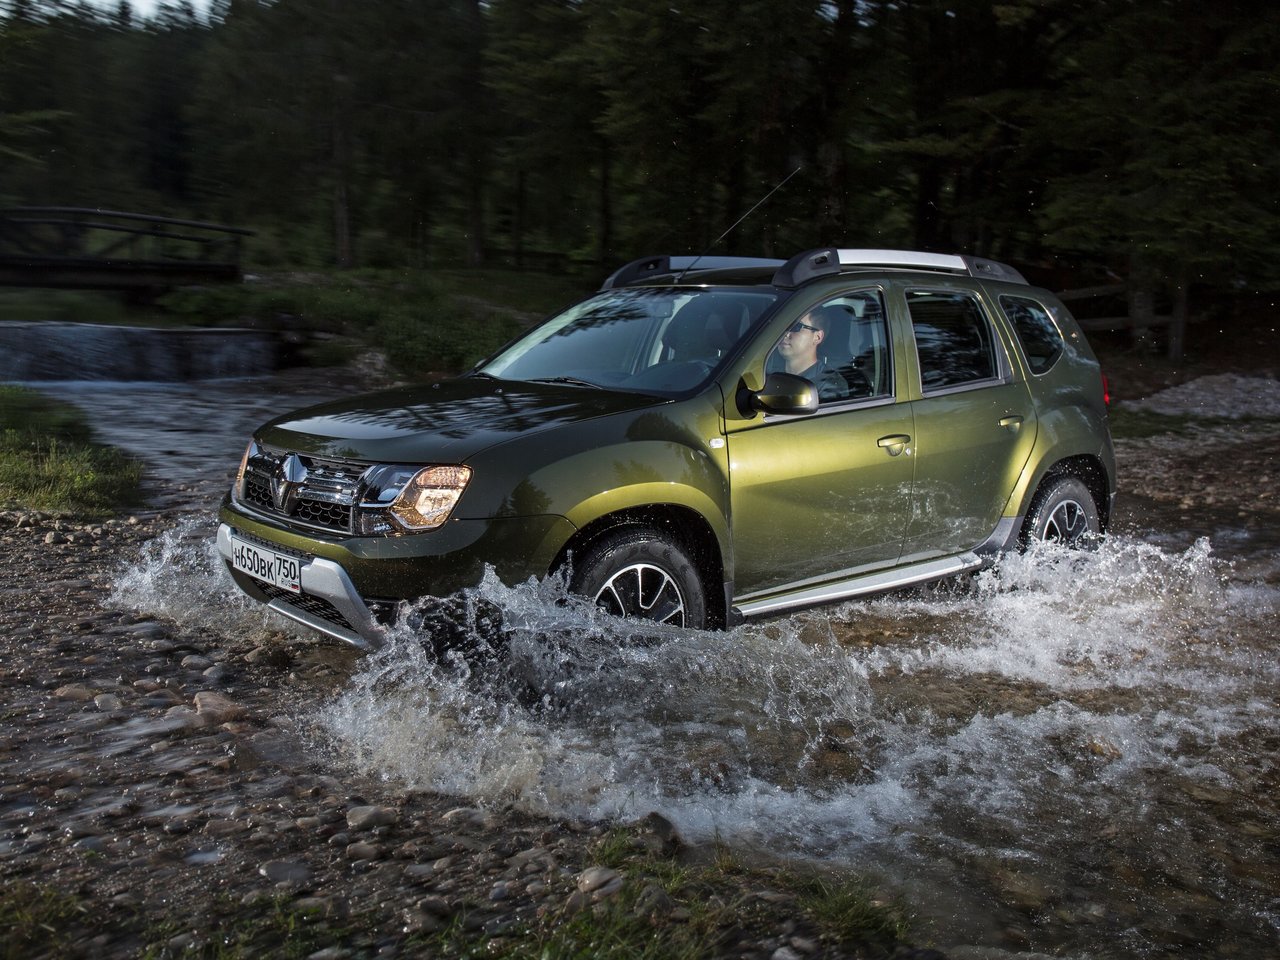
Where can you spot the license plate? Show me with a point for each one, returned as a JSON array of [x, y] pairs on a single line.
[[262, 564]]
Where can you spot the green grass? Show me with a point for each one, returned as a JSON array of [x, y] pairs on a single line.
[[266, 927], [35, 920], [48, 460], [702, 909]]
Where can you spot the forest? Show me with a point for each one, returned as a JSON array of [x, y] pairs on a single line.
[[1121, 138]]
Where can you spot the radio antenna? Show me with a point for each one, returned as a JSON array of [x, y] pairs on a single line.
[[759, 202]]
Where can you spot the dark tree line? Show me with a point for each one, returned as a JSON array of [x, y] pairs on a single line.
[[1139, 134]]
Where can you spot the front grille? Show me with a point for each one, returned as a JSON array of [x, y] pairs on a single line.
[[307, 491], [332, 515], [316, 606]]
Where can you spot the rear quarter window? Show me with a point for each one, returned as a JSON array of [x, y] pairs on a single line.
[[1040, 337]]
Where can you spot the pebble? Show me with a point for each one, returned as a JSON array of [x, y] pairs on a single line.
[[215, 708], [363, 851], [74, 691], [599, 882], [285, 871], [368, 817]]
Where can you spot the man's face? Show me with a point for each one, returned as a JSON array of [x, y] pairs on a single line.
[[799, 345]]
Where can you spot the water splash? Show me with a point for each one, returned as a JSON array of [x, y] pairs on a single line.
[[1059, 672], [181, 576]]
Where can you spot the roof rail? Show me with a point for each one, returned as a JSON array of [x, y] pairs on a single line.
[[647, 267], [829, 261]]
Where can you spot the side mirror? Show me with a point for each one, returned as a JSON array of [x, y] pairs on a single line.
[[784, 393]]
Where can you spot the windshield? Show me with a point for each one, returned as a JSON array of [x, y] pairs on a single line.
[[664, 341]]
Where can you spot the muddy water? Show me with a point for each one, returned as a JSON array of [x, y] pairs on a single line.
[[1071, 753]]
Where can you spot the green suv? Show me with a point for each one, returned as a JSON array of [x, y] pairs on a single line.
[[704, 439]]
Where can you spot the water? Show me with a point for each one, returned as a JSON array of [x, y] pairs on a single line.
[[1074, 752], [53, 351]]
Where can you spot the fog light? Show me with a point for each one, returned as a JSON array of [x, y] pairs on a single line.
[[427, 500]]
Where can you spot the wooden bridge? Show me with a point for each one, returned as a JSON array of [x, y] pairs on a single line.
[[87, 248]]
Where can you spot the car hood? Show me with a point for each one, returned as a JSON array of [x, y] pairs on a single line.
[[446, 422]]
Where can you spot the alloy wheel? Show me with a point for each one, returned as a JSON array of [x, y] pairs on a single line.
[[643, 591]]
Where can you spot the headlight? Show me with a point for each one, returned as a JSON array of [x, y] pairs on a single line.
[[429, 497], [237, 489]]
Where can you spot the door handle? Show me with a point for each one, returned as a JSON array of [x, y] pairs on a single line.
[[894, 444], [1012, 422]]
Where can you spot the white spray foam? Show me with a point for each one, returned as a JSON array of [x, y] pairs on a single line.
[[180, 575], [731, 734]]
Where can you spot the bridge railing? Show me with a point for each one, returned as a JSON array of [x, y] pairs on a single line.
[[89, 234]]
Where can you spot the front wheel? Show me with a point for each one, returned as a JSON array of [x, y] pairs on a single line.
[[1063, 512], [640, 573]]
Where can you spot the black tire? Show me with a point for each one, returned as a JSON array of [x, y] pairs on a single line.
[[1063, 511], [639, 572]]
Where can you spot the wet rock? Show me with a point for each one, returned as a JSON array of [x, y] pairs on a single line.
[[183, 716], [599, 883], [436, 906], [417, 922], [653, 901], [285, 871], [465, 817], [368, 817], [1024, 891], [364, 851], [74, 691], [215, 708], [107, 702], [224, 828], [1104, 749]]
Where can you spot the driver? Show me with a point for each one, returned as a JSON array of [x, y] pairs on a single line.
[[798, 349]]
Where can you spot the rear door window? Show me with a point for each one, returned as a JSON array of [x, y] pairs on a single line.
[[954, 340]]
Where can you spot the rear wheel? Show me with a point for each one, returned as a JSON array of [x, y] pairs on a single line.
[[639, 572], [1063, 512]]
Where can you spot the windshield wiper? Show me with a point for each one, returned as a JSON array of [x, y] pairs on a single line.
[[572, 381]]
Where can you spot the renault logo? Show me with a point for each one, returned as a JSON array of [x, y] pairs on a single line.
[[289, 475]]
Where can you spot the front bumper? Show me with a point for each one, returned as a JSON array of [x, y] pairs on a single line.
[[328, 603], [347, 581]]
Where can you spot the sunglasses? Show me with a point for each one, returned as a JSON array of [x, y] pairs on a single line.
[[798, 326]]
